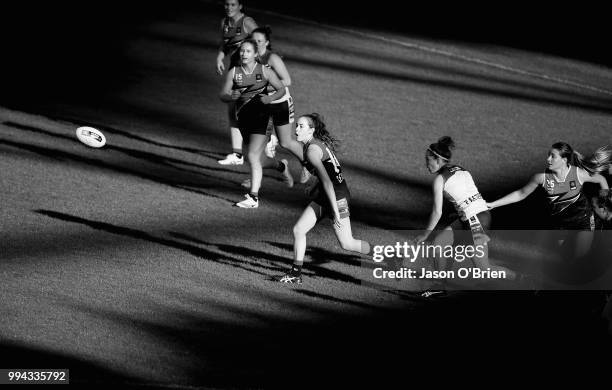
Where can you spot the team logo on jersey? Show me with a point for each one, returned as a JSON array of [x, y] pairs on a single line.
[[239, 78], [572, 185], [550, 185], [257, 77], [226, 29]]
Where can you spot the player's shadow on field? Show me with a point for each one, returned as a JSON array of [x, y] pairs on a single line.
[[314, 269], [250, 260], [203, 253], [321, 256]]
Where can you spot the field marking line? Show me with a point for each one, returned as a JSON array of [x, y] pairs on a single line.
[[433, 50]]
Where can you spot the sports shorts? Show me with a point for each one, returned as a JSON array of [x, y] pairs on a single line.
[[282, 113], [253, 117]]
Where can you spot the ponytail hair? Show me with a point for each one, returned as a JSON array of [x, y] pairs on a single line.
[[598, 162], [443, 148], [267, 32], [320, 131]]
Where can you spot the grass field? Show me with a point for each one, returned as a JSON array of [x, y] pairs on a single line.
[[130, 266]]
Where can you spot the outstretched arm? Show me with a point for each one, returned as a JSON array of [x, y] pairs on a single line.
[[520, 194]]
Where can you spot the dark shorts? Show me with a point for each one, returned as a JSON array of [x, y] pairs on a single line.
[[466, 232], [282, 113], [253, 117], [582, 220], [326, 211], [323, 208]]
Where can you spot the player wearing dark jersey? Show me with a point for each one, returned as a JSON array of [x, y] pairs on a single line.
[[282, 110], [469, 222], [247, 85], [562, 182], [330, 196], [235, 28]]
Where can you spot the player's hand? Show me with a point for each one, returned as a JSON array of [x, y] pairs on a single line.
[[266, 99], [420, 239], [220, 67], [235, 94], [490, 206]]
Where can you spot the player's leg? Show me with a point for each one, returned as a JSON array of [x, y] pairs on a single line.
[[257, 143], [441, 238], [283, 116], [305, 223], [345, 237], [234, 158]]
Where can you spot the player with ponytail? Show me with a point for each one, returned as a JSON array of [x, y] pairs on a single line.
[[563, 181], [330, 196], [470, 220]]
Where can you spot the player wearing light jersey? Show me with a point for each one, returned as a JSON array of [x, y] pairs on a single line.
[[247, 86], [235, 28], [330, 196], [471, 219], [562, 182]]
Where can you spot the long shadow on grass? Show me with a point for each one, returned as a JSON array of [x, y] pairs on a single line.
[[195, 186], [191, 186], [312, 270], [564, 96], [112, 130], [225, 255], [20, 355], [140, 235], [224, 342], [367, 210], [587, 102], [322, 256], [509, 79], [146, 156]]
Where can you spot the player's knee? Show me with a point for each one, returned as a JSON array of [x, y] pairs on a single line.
[[348, 244], [253, 158], [298, 230]]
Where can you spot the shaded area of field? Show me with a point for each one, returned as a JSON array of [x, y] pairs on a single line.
[[129, 266]]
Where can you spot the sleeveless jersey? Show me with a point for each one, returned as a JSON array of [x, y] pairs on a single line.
[[332, 167], [265, 61], [461, 191], [251, 84], [561, 195], [233, 33]]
